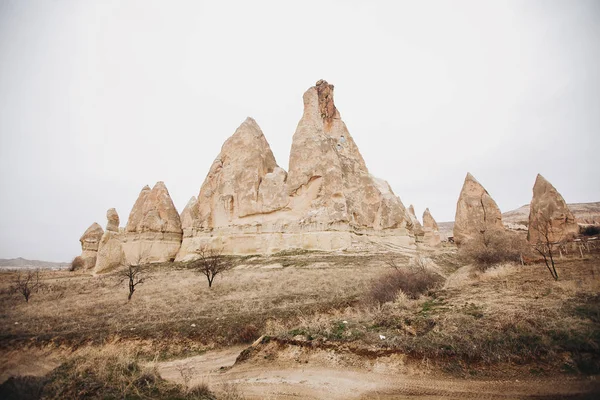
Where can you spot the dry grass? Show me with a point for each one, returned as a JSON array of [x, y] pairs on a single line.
[[177, 305], [111, 371], [506, 314], [491, 248]]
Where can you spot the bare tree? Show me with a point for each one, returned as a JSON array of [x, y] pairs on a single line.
[[27, 283], [546, 240], [135, 274], [210, 262]]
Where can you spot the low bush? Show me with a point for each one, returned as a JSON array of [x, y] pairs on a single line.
[[413, 282], [492, 248], [590, 230], [113, 373]]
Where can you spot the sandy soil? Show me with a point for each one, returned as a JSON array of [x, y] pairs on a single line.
[[29, 361], [293, 380]]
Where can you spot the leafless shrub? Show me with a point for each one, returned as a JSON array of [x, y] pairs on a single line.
[[493, 247], [77, 263], [412, 281], [26, 284], [547, 239], [210, 262], [135, 274]]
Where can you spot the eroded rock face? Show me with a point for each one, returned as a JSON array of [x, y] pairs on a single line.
[[153, 232], [242, 180], [431, 235], [113, 220], [110, 249], [549, 215], [90, 241], [248, 204], [328, 172], [417, 227], [476, 212]]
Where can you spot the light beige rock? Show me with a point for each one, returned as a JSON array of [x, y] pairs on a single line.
[[189, 215], [113, 220], [417, 227], [431, 235], [549, 214], [153, 231], [476, 212], [328, 172], [90, 240], [110, 249], [328, 201]]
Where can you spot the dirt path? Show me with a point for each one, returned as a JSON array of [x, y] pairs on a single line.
[[289, 380]]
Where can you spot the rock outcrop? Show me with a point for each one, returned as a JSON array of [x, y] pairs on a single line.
[[113, 220], [549, 216], [153, 232], [431, 235], [90, 240], [327, 201], [417, 227], [110, 249], [476, 212]]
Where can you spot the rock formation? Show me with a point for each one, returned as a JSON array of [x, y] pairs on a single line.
[[90, 240], [153, 231], [549, 214], [431, 231], [417, 227], [476, 212], [328, 201], [113, 220], [110, 249]]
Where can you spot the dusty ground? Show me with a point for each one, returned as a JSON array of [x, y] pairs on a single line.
[[317, 377]]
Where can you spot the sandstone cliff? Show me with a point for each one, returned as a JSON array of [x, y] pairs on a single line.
[[476, 212]]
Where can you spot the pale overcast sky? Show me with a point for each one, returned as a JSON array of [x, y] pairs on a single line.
[[99, 98]]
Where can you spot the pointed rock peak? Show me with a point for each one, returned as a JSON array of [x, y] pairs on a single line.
[[192, 200], [428, 220], [471, 178], [540, 180], [327, 108], [160, 184], [411, 209], [549, 214], [135, 216], [248, 127]]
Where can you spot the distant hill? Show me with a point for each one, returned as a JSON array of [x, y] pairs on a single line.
[[585, 213], [22, 263]]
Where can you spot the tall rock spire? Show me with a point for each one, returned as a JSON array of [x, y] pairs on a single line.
[[549, 214], [476, 212]]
